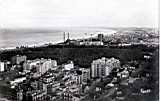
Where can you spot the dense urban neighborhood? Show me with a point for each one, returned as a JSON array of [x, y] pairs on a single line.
[[119, 67]]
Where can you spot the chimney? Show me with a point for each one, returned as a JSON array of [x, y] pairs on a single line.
[[68, 35], [64, 36]]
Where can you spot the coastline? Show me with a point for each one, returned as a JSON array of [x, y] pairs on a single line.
[[75, 36]]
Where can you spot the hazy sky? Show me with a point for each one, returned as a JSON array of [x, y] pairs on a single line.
[[53, 13]]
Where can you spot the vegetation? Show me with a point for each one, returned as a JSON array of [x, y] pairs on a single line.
[[82, 56]]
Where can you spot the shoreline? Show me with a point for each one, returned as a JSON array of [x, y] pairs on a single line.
[[56, 43]]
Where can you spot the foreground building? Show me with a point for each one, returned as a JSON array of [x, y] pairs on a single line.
[[1, 66], [69, 65], [36, 95], [102, 67], [85, 74], [39, 66]]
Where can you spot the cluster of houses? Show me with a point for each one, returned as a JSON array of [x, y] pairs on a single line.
[[45, 80]]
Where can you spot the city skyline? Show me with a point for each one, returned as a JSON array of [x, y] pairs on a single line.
[[79, 50]]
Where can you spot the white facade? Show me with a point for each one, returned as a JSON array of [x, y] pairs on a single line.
[[41, 65], [69, 66], [18, 80], [1, 66], [96, 43], [102, 67], [45, 65]]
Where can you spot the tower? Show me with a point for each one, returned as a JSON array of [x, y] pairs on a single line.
[[68, 35], [64, 36]]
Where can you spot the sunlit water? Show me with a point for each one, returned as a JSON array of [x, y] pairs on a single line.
[[12, 40]]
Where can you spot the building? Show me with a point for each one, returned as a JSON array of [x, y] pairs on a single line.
[[18, 59], [20, 95], [102, 67], [124, 74], [70, 92], [55, 86], [69, 65], [113, 63], [44, 65], [85, 74], [94, 43], [35, 95], [40, 66], [79, 77], [1, 66], [54, 63], [7, 65], [73, 42], [32, 91], [17, 81], [67, 96], [28, 65], [39, 85]]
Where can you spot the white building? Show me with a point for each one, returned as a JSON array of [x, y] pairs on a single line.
[[102, 67], [1, 66], [44, 65], [95, 43], [16, 81], [41, 65], [69, 65]]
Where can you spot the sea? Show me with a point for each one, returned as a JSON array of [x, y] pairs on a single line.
[[12, 38]]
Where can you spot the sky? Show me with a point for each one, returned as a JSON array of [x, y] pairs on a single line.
[[70, 13]]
